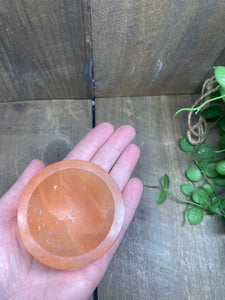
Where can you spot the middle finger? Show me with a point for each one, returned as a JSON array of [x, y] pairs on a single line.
[[108, 154]]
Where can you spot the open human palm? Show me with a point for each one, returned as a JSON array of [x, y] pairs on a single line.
[[22, 276]]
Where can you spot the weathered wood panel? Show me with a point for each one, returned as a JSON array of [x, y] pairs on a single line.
[[44, 48], [47, 130], [159, 259], [155, 47]]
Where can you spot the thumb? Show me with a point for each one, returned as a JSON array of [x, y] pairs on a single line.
[[9, 200]]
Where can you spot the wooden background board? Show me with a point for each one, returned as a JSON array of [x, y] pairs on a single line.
[[44, 49], [47, 130], [139, 48], [144, 48], [159, 259]]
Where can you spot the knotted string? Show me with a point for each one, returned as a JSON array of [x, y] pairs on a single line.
[[197, 125]]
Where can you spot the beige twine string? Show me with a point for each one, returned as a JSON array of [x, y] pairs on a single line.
[[197, 128]]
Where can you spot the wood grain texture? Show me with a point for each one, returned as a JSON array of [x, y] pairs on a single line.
[[144, 48], [159, 259], [44, 49], [47, 130]]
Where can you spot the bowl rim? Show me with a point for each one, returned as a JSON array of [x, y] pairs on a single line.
[[74, 262]]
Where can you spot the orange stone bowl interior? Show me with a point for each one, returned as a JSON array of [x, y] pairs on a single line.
[[70, 214]]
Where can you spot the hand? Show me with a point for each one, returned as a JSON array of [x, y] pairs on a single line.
[[22, 276]]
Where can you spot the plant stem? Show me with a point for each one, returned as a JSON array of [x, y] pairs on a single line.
[[192, 156], [153, 186], [190, 202], [181, 200], [185, 214], [206, 177], [220, 151], [197, 109]]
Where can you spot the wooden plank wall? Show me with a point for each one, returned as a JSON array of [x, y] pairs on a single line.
[[155, 47], [44, 49], [139, 47]]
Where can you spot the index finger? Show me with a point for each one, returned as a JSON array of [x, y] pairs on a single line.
[[90, 144]]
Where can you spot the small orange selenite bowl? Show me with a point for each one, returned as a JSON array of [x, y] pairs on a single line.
[[70, 214]]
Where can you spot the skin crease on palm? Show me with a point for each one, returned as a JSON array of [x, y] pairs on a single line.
[[22, 276]]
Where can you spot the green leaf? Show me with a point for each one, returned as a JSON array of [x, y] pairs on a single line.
[[185, 145], [213, 208], [214, 205], [194, 174], [220, 167], [222, 92], [206, 152], [219, 180], [161, 197], [204, 163], [220, 75], [222, 142], [218, 202], [209, 189], [222, 123], [165, 181], [214, 200], [222, 203], [200, 196], [212, 112], [222, 132], [195, 215], [186, 189], [210, 170]]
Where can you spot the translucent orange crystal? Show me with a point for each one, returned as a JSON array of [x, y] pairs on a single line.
[[70, 214]]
